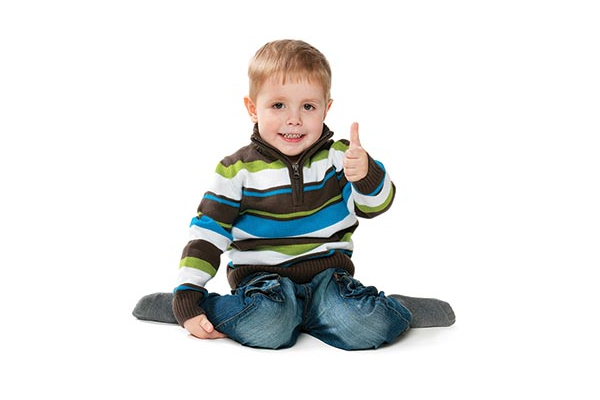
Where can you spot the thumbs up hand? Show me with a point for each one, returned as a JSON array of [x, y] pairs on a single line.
[[356, 161]]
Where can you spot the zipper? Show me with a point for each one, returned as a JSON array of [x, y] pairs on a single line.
[[297, 187], [295, 168]]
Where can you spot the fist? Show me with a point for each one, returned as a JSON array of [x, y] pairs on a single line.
[[356, 160], [201, 327]]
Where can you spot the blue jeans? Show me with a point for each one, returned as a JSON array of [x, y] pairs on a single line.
[[270, 311]]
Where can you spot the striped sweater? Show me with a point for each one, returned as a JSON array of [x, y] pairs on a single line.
[[273, 214]]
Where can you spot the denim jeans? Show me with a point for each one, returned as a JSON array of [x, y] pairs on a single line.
[[270, 311]]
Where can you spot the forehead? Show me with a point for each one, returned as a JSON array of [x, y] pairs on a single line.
[[292, 86]]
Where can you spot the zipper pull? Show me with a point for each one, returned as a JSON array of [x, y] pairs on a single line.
[[296, 169]]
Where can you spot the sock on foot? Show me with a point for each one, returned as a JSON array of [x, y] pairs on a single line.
[[427, 313], [155, 307]]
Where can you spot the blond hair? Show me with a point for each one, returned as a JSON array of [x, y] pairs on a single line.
[[289, 60]]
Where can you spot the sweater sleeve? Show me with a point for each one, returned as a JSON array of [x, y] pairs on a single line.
[[186, 303], [375, 193], [209, 236]]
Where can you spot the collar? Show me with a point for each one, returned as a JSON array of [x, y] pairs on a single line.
[[266, 149]]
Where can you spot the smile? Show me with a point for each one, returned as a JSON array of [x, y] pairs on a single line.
[[291, 136]]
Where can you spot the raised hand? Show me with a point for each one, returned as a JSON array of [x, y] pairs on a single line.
[[356, 162]]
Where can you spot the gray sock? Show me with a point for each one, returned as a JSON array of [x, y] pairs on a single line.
[[155, 307], [427, 313]]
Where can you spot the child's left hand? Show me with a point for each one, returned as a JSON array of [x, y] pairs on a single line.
[[356, 162]]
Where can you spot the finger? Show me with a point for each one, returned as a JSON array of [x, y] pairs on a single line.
[[354, 139], [202, 334], [216, 335], [202, 328], [211, 332], [206, 325]]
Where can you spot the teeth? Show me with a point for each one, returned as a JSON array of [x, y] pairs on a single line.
[[291, 135]]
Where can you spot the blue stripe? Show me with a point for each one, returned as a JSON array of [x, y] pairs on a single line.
[[267, 228], [222, 201], [210, 224], [275, 192], [320, 186], [378, 189], [347, 192], [266, 194], [185, 287]]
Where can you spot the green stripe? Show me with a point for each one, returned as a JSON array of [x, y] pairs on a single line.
[[298, 214], [297, 249], [222, 224], [196, 263], [321, 155], [291, 249], [340, 146], [253, 166], [379, 208]]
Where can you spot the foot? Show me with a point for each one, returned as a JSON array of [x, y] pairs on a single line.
[[427, 313], [155, 307]]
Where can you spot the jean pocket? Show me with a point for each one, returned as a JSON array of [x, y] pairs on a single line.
[[263, 284], [352, 288]]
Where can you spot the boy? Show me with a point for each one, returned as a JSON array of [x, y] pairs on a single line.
[[285, 207]]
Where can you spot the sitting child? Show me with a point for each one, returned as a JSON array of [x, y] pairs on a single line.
[[285, 207]]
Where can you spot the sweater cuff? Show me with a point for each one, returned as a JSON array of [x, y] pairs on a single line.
[[186, 304], [371, 182]]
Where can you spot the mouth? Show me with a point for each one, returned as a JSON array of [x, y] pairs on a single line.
[[292, 137]]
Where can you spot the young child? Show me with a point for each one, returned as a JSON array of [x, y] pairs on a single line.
[[285, 207]]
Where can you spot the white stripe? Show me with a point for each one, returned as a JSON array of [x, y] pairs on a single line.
[[336, 158], [376, 200], [230, 188], [213, 237], [317, 171], [192, 276], [239, 234], [266, 179], [269, 257]]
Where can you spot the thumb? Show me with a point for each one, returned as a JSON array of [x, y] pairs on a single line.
[[354, 140], [206, 325]]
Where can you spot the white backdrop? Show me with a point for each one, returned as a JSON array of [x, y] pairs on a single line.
[[114, 114]]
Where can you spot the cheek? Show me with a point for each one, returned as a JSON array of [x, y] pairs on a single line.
[[267, 125], [316, 123]]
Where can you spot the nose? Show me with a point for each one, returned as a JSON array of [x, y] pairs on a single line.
[[294, 119]]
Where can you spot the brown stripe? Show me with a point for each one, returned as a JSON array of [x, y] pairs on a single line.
[[220, 212], [203, 250], [250, 244], [283, 203], [301, 272]]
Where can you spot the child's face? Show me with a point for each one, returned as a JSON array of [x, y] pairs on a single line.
[[290, 117]]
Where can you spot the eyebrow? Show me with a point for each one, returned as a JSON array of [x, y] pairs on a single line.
[[306, 100]]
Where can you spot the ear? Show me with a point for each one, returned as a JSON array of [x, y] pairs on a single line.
[[251, 109], [327, 108]]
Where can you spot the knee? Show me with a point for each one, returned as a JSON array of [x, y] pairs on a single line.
[[361, 317], [358, 329], [268, 321]]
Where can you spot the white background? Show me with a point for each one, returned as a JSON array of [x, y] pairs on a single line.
[[113, 115]]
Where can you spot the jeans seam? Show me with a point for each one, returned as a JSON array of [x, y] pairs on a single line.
[[307, 303], [244, 311], [398, 312]]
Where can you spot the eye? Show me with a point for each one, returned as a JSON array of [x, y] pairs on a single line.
[[309, 107], [278, 106]]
